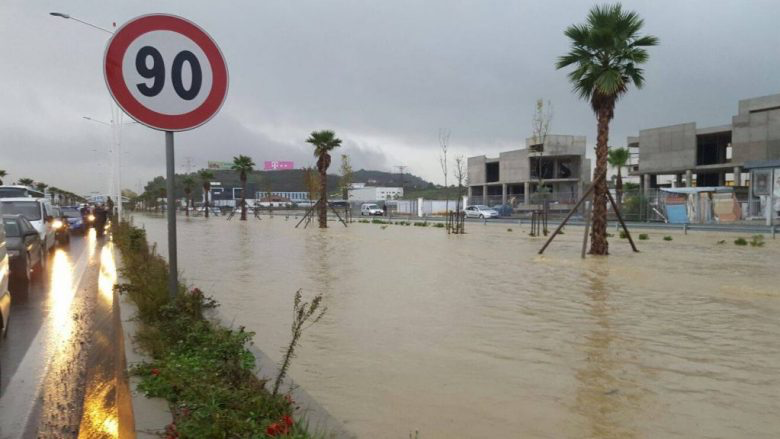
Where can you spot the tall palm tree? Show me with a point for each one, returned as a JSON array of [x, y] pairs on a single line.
[[26, 182], [205, 177], [2, 175], [41, 186], [243, 164], [606, 52], [324, 141], [618, 159], [188, 182]]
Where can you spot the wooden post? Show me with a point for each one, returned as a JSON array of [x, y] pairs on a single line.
[[620, 218], [587, 228]]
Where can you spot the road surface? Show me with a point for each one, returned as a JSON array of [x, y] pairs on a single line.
[[56, 379]]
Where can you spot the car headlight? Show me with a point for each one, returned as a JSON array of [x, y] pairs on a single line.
[[91, 217], [56, 224], [12, 253]]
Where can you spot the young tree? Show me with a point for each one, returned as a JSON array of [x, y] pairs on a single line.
[[312, 182], [243, 165], [540, 125], [606, 53], [324, 141], [444, 140], [2, 175], [205, 178], [618, 159], [346, 176], [188, 182]]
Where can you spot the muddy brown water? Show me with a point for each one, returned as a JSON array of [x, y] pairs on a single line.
[[476, 336]]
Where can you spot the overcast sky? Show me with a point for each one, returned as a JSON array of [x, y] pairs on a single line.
[[386, 76]]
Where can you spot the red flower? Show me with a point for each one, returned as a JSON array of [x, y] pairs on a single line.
[[288, 420], [155, 372], [274, 429]]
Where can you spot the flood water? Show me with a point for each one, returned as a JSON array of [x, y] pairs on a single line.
[[476, 336]]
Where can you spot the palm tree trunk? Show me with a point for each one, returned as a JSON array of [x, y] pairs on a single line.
[[243, 197], [206, 200], [323, 206], [598, 243], [619, 189], [187, 204]]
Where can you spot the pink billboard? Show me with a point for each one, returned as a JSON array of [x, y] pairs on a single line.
[[273, 165]]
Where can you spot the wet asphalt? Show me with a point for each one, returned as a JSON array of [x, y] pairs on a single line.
[[56, 376]]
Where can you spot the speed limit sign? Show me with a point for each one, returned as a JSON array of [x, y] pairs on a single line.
[[165, 72], [168, 74]]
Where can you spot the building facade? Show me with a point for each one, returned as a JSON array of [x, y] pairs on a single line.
[[711, 156], [361, 192], [513, 177]]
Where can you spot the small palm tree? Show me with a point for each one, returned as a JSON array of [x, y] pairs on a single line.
[[243, 164], [188, 182], [606, 51], [2, 175], [324, 141], [26, 182], [41, 186], [205, 177], [618, 159]]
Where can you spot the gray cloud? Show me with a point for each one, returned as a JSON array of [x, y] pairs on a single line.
[[385, 75]]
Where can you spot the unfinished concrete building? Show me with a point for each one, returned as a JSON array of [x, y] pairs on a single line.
[[513, 177], [712, 156]]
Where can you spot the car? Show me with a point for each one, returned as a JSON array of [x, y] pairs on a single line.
[[61, 226], [480, 211], [369, 209], [338, 204], [75, 220], [17, 191], [24, 247], [5, 295], [38, 211]]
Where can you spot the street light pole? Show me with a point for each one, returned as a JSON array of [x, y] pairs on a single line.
[[69, 17]]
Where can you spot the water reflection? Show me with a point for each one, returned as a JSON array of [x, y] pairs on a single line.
[[63, 290]]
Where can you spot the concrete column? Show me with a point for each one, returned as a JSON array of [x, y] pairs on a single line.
[[678, 180], [737, 175], [503, 193], [688, 178], [646, 185], [470, 193], [527, 193], [484, 194], [721, 178]]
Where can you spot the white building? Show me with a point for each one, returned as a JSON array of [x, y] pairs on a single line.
[[361, 192]]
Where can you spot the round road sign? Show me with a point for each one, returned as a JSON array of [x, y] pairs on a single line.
[[165, 72]]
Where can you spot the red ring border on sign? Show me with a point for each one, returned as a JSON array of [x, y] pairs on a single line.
[[112, 70]]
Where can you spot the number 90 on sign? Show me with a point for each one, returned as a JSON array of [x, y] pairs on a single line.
[[167, 72]]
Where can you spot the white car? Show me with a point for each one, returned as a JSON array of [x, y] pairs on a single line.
[[371, 209], [38, 211], [480, 211]]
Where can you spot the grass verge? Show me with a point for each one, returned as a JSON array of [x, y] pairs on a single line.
[[204, 370]]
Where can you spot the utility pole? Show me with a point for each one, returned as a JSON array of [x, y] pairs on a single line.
[[402, 171]]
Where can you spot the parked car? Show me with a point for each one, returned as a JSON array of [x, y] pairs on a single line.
[[74, 218], [61, 226], [5, 295], [369, 209], [339, 204], [38, 212], [480, 211], [504, 209], [24, 246]]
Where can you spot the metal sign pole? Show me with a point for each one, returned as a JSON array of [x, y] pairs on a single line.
[[170, 188]]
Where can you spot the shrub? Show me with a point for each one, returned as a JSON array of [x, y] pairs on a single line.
[[438, 225], [643, 237], [421, 224], [509, 230], [623, 235], [667, 238], [757, 241], [740, 241]]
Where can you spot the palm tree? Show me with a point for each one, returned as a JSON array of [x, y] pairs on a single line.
[[187, 182], [2, 175], [206, 176], [323, 141], [41, 186], [243, 164], [606, 51], [26, 182], [618, 159]]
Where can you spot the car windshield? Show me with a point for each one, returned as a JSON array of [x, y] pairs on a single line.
[[71, 213], [372, 206], [11, 228], [481, 207], [13, 192], [29, 209]]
